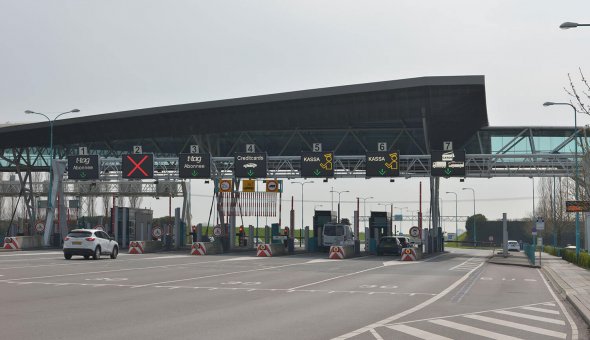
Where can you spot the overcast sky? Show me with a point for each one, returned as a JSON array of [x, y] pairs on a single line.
[[108, 56]]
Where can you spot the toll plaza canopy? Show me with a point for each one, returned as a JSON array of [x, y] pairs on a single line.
[[411, 115]]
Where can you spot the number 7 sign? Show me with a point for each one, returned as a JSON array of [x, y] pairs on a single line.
[[140, 165]]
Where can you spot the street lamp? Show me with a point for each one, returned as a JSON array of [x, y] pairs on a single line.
[[456, 222], [575, 161], [567, 25], [51, 122], [474, 230], [365, 207], [402, 217], [301, 229], [339, 193]]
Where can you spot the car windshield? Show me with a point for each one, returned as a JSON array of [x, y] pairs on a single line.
[[387, 241], [80, 234], [333, 230]]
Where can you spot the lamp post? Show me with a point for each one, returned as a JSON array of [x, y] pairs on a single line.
[[401, 216], [474, 225], [456, 222], [567, 25], [365, 207], [339, 193], [51, 122], [301, 228], [575, 158]]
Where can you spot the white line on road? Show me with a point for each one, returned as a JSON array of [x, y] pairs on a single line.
[[217, 275], [337, 277], [418, 333], [519, 326], [531, 317], [376, 335], [410, 310], [542, 310], [473, 330], [573, 325], [31, 254]]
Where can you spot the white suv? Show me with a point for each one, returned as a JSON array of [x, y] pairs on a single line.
[[89, 242]]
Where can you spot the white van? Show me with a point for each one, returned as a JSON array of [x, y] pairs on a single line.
[[337, 234]]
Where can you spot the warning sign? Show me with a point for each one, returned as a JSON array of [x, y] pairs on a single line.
[[225, 185], [248, 185]]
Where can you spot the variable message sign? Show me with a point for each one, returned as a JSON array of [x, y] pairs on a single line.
[[250, 165], [382, 164], [447, 163], [194, 165], [137, 166], [317, 164], [83, 167]]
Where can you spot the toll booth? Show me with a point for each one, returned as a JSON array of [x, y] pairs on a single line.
[[379, 226], [131, 224], [320, 218]]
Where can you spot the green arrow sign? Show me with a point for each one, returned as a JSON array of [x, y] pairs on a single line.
[[83, 174], [194, 173], [317, 172], [448, 171], [250, 172], [382, 172]]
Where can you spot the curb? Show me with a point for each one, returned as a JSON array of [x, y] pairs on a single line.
[[512, 264], [567, 292]]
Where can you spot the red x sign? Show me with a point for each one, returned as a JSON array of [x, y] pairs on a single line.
[[137, 166]]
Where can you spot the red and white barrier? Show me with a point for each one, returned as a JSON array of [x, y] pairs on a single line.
[[136, 247], [408, 254], [198, 248], [336, 253], [11, 243], [264, 250]]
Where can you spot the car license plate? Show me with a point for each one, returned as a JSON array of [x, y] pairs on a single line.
[[77, 243]]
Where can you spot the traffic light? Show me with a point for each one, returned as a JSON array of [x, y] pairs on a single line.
[[287, 231], [241, 231]]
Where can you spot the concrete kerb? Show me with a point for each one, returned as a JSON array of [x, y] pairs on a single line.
[[568, 293]]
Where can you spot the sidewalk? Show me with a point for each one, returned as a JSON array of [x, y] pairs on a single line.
[[571, 281]]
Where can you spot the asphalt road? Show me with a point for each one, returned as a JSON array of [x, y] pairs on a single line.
[[175, 296]]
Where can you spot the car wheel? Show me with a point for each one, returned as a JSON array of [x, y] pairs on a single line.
[[68, 256], [114, 253], [96, 255]]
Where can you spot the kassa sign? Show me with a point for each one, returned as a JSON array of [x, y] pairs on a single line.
[[137, 165], [382, 164], [317, 164]]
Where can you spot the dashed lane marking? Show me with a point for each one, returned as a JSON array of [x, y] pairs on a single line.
[[542, 310]]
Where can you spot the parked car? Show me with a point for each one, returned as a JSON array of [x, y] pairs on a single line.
[[513, 245], [389, 245], [89, 242]]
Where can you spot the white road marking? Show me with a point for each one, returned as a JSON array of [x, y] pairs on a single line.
[[31, 254], [376, 335], [337, 277], [319, 261], [243, 258], [217, 275], [410, 310], [531, 317], [573, 325], [473, 330], [486, 278], [549, 304], [418, 333], [530, 280], [542, 310], [519, 326]]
